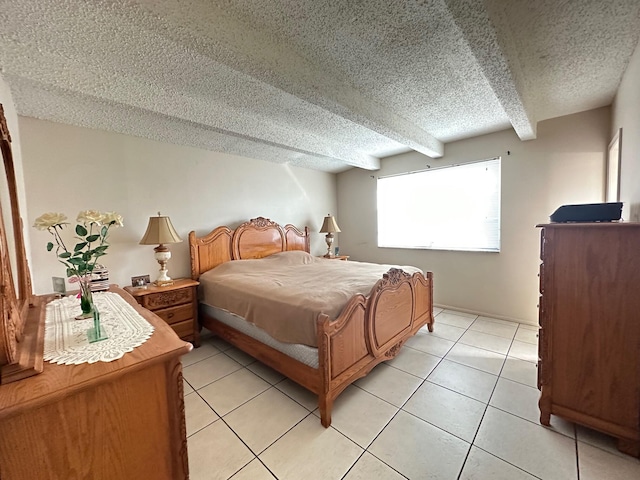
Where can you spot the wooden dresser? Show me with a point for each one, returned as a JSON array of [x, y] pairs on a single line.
[[589, 345], [176, 304], [116, 420]]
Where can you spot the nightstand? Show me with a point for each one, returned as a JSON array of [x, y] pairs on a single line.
[[176, 304], [338, 257]]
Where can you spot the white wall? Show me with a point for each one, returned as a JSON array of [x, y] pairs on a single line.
[[626, 115], [68, 169], [564, 165]]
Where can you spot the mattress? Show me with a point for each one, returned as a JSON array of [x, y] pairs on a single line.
[[302, 353]]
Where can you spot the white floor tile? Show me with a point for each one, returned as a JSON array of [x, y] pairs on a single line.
[[517, 399], [266, 373], [448, 332], [311, 452], [415, 362], [205, 350], [533, 448], [520, 371], [197, 413], [498, 320], [216, 453], [492, 327], [465, 380], [369, 467], [485, 360], [209, 370], [598, 439], [300, 394], [187, 389], [597, 464], [524, 351], [390, 384], [481, 465], [239, 356], [233, 390], [427, 343], [360, 416], [446, 409], [527, 335], [220, 344], [419, 450], [260, 421], [486, 341], [455, 319], [437, 310], [255, 470]]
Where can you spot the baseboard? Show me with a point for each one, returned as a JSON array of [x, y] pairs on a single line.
[[485, 314]]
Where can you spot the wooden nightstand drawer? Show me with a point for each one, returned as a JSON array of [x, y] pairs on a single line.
[[176, 314], [158, 300], [183, 329]]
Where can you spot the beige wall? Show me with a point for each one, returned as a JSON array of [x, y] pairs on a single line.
[[626, 115], [68, 169], [564, 165]]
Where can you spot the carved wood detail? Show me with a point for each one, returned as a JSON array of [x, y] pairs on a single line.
[[168, 299]]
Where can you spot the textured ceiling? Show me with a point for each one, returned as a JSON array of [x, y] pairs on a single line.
[[324, 84]]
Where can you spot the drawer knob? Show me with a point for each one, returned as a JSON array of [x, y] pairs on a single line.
[[170, 315]]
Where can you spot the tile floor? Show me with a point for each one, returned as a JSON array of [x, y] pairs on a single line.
[[458, 403]]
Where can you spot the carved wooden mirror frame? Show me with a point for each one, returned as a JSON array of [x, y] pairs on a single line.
[[20, 334]]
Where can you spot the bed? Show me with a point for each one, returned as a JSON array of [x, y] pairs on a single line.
[[370, 328]]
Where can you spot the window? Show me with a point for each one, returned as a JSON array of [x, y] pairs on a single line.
[[448, 208]]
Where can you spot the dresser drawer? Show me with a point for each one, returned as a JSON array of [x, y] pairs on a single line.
[[158, 300], [176, 314]]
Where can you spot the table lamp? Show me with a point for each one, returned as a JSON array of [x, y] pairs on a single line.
[[329, 226], [161, 231]]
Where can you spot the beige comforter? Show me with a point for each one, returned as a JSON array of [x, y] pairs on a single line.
[[284, 293]]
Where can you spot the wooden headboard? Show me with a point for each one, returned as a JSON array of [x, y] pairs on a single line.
[[257, 238]]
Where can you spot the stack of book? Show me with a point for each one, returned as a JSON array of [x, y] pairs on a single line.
[[100, 279]]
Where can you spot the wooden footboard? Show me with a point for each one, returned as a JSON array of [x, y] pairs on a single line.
[[371, 330]]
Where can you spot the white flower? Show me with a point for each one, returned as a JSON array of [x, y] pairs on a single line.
[[90, 216], [112, 217], [48, 220]]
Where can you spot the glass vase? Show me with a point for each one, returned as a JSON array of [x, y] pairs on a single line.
[[86, 300]]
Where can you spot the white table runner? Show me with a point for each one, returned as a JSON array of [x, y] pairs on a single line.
[[65, 338]]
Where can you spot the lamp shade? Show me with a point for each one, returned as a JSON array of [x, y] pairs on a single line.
[[160, 231], [329, 225]]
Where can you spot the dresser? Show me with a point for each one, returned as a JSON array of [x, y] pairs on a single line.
[[176, 304], [589, 341], [117, 420]]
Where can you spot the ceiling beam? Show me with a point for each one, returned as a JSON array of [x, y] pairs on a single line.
[[497, 59]]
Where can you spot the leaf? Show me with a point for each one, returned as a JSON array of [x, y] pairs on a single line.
[[79, 246], [86, 256], [49, 246], [101, 248], [77, 261], [104, 230], [64, 255], [92, 238], [80, 230]]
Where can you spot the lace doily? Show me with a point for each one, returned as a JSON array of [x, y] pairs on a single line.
[[65, 338]]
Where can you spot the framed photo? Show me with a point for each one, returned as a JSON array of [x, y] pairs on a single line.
[[614, 155], [59, 285], [140, 281]]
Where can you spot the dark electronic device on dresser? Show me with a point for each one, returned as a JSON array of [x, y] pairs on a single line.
[[589, 212]]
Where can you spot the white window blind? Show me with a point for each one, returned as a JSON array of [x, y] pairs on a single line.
[[449, 208]]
